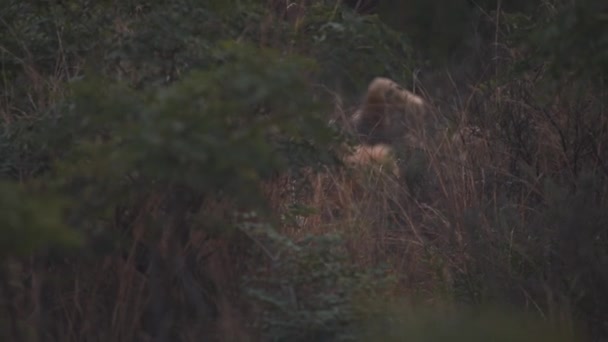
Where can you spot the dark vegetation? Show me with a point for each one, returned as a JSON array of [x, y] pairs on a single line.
[[170, 171]]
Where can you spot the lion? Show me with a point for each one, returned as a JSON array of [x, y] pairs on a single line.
[[380, 156], [389, 113]]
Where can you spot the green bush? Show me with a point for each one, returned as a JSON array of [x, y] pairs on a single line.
[[311, 291], [31, 221], [130, 128]]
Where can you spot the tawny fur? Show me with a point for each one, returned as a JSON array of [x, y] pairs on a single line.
[[374, 156], [387, 113]]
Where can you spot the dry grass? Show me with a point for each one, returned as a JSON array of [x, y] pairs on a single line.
[[427, 210]]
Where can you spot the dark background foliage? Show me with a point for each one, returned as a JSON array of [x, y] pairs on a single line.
[[170, 171]]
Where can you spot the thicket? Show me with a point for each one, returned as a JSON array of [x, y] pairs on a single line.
[[170, 171]]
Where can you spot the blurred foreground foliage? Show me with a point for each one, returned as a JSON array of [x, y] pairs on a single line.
[[31, 220], [141, 142]]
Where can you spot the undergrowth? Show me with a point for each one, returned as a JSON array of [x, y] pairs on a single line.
[[172, 171]]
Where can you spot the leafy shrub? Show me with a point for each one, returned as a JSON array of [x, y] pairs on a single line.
[[311, 291], [140, 129], [32, 220]]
